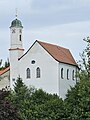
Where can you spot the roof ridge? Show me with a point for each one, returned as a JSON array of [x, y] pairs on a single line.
[[51, 44]]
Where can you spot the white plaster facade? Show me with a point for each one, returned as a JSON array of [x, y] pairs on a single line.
[[49, 64], [5, 80], [50, 79], [66, 83]]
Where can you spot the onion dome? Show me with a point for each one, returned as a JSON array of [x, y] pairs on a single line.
[[16, 23]]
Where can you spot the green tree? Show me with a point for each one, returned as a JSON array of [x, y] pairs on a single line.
[[19, 94], [85, 60], [36, 104], [53, 109], [20, 97], [45, 106], [19, 85], [7, 111], [7, 63], [77, 103]]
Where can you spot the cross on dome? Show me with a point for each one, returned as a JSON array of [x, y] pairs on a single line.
[[16, 13], [16, 22]]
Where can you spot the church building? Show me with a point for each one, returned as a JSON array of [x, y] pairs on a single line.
[[44, 65]]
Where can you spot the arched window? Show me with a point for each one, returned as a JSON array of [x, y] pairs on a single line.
[[62, 73], [68, 74], [28, 73], [38, 72], [73, 75]]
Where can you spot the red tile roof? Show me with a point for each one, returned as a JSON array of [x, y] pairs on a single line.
[[58, 53], [4, 70]]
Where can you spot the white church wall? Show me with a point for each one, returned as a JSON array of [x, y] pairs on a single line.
[[48, 66], [4, 80], [66, 83], [13, 67]]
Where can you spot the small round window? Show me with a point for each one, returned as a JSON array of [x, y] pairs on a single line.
[[33, 61]]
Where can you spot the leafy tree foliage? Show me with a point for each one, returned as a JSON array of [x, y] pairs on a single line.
[[77, 103], [7, 111], [36, 104], [53, 109], [85, 60], [46, 106]]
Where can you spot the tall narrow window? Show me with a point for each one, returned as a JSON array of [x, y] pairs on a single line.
[[38, 72], [73, 75], [68, 74], [28, 73], [62, 73], [20, 38]]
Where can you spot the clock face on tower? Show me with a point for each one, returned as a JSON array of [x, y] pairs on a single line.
[[13, 30]]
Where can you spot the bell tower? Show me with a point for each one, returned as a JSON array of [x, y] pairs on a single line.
[[16, 49], [16, 36]]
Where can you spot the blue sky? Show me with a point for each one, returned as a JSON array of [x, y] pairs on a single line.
[[61, 22]]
